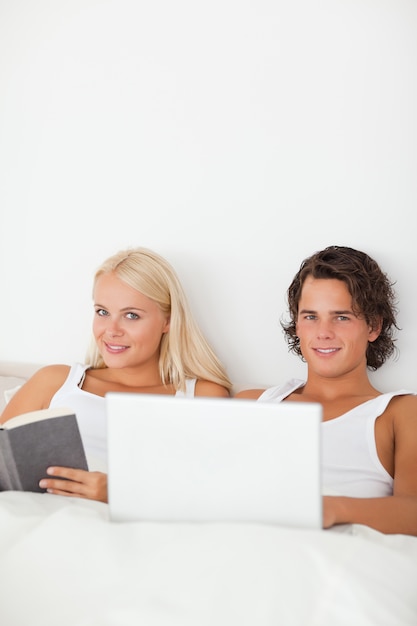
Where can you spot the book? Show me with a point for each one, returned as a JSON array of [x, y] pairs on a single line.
[[34, 441]]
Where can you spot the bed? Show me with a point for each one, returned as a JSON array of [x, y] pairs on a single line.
[[63, 562]]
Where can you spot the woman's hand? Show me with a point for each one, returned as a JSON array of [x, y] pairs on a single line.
[[78, 483]]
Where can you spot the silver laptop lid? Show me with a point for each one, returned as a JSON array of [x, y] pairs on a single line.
[[212, 459]]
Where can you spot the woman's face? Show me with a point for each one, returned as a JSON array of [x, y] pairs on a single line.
[[128, 326]]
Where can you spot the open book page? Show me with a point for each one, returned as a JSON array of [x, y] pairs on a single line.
[[36, 416]]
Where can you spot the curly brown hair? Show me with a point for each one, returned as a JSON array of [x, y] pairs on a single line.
[[372, 294]]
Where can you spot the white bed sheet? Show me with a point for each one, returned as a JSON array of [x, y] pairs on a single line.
[[63, 563]]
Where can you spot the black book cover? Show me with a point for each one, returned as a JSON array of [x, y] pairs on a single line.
[[27, 450]]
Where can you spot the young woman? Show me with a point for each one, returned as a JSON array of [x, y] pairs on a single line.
[[145, 340]]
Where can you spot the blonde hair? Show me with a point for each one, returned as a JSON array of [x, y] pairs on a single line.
[[184, 351]]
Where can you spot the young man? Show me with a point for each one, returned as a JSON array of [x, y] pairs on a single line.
[[342, 318]]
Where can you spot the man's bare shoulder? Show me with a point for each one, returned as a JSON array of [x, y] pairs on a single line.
[[403, 412], [404, 402], [249, 394]]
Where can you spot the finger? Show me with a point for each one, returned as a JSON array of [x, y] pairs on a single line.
[[78, 483], [60, 485], [69, 473], [60, 492]]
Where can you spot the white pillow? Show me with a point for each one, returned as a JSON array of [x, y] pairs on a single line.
[[8, 387], [9, 393]]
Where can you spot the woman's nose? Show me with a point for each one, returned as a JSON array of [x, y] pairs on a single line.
[[114, 329]]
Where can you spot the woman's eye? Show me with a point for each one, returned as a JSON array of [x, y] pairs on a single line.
[[101, 312], [132, 316]]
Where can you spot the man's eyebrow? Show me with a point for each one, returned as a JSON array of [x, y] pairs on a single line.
[[335, 312]]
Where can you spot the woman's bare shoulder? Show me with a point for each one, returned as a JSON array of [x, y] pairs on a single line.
[[37, 392], [210, 389], [53, 374]]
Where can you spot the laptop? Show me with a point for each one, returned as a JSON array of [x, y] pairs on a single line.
[[174, 459]]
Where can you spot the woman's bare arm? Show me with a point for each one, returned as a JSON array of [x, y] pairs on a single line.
[[37, 392]]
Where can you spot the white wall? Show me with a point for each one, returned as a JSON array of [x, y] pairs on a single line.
[[235, 137]]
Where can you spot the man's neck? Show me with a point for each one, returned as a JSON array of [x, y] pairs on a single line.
[[328, 389]]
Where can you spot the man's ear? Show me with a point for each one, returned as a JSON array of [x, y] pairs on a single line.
[[375, 330]]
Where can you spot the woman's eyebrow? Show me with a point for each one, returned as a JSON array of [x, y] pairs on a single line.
[[125, 308]]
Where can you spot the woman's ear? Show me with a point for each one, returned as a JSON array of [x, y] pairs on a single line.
[[167, 325]]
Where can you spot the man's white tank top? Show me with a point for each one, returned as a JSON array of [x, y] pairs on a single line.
[[350, 463], [91, 414]]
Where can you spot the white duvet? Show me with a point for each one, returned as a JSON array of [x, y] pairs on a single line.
[[63, 563]]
